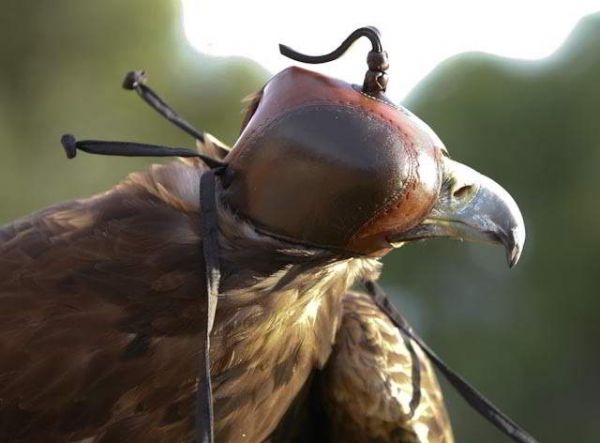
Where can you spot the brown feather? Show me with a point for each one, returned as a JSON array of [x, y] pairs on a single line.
[[100, 311], [367, 384]]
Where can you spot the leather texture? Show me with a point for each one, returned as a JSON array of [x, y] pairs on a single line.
[[321, 163]]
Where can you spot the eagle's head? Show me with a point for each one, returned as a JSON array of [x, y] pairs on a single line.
[[323, 164]]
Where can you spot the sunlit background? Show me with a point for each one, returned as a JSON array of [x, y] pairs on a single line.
[[418, 35], [513, 88]]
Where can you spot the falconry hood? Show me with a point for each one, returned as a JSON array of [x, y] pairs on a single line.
[[326, 163]]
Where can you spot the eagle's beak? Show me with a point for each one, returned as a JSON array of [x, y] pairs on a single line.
[[472, 206]]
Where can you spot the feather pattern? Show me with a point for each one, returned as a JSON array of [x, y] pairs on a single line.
[[367, 385], [100, 314]]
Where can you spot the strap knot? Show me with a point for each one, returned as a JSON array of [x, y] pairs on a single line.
[[69, 144], [133, 79]]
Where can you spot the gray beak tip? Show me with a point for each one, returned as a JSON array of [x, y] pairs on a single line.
[[515, 244], [513, 256]]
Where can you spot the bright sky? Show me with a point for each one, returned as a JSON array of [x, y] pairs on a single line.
[[417, 34]]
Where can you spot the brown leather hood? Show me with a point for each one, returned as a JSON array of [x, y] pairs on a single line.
[[322, 163]]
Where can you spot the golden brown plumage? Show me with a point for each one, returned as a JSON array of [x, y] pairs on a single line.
[[98, 317], [100, 314], [368, 383]]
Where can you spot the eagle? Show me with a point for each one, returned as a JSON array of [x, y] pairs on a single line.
[[100, 298]]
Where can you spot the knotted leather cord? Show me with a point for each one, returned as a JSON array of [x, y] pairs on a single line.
[[210, 251], [471, 395], [376, 78]]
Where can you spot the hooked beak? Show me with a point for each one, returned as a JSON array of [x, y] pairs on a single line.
[[472, 207]]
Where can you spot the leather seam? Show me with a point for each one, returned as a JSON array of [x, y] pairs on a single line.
[[395, 200]]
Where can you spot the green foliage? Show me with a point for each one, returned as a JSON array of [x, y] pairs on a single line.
[[526, 337], [63, 63]]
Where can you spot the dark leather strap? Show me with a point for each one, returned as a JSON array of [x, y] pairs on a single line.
[[210, 252], [130, 149], [136, 80], [473, 397]]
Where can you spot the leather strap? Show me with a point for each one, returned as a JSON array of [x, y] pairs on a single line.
[[210, 252], [471, 395]]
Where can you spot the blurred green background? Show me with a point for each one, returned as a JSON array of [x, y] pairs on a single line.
[[528, 337]]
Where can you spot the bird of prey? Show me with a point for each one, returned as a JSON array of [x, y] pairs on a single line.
[[99, 297]]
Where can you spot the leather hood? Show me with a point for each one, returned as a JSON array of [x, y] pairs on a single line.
[[321, 163]]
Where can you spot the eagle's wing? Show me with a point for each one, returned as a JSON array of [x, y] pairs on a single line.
[[99, 301], [367, 385]]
